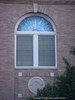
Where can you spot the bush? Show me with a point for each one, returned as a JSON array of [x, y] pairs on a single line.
[[64, 86], [66, 83]]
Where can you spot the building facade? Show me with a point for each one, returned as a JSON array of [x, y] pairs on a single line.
[[35, 35]]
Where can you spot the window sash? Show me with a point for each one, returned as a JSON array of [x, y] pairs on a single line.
[[46, 50], [35, 51], [24, 50]]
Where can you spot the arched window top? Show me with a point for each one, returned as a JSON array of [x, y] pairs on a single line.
[[35, 23]]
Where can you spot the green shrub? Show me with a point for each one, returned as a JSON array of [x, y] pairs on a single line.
[[66, 83], [64, 86]]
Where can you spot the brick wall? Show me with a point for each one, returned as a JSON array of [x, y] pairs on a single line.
[[10, 83]]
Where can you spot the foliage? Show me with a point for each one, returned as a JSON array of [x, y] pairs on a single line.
[[72, 51], [64, 86], [30, 98], [47, 91], [66, 83]]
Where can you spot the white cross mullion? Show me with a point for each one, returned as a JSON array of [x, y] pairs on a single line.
[[35, 49]]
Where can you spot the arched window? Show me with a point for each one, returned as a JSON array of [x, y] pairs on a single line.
[[35, 38]]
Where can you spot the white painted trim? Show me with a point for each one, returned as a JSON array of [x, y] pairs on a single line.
[[35, 32], [35, 67], [15, 51], [55, 52]]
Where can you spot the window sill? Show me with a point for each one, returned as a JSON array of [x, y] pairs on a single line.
[[41, 67]]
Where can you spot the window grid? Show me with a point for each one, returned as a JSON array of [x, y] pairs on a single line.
[[35, 53], [24, 50], [46, 50]]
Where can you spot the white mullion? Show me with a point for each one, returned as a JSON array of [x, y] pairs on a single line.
[[35, 50]]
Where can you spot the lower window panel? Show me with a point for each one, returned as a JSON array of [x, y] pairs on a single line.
[[24, 50], [46, 48]]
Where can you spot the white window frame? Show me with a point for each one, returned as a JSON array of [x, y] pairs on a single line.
[[35, 44]]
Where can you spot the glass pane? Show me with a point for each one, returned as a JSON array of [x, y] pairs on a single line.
[[46, 48], [24, 50], [35, 23]]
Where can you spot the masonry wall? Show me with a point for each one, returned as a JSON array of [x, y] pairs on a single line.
[[10, 83]]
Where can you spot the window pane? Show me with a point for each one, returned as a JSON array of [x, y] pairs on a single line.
[[24, 50], [35, 23], [46, 48]]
